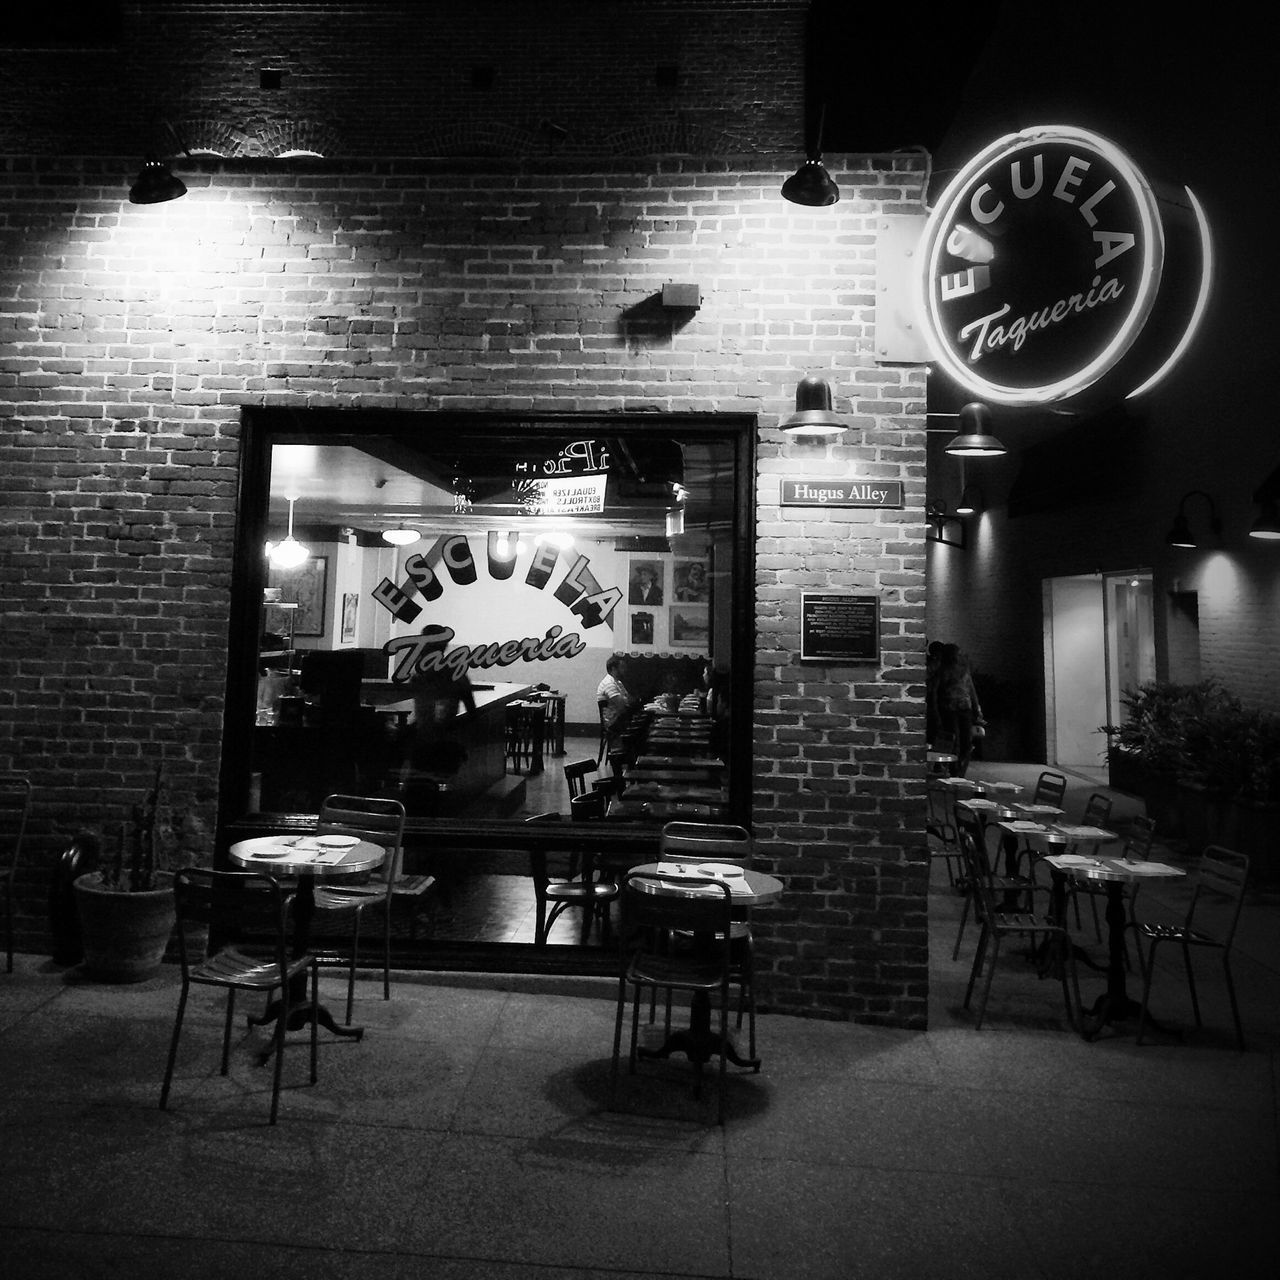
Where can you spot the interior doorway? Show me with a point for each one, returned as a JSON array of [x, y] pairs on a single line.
[[1099, 641]]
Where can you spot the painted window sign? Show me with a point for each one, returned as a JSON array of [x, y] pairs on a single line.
[[576, 588], [1044, 263]]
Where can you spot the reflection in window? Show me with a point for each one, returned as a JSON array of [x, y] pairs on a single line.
[[446, 638]]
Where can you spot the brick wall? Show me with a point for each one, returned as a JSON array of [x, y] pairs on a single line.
[[130, 339]]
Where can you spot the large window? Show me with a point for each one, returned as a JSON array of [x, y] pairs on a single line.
[[426, 606]]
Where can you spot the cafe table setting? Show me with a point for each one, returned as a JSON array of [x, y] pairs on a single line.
[[308, 858], [1116, 874]]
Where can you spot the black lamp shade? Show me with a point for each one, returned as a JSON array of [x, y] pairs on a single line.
[[1180, 534], [811, 185], [975, 439], [970, 503], [1267, 526], [814, 413], [155, 185]]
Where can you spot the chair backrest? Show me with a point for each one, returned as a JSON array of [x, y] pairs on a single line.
[[971, 837], [575, 774], [231, 905], [1097, 810], [1137, 848], [1218, 896], [15, 805], [654, 905], [368, 818], [1050, 789], [589, 807], [706, 842]]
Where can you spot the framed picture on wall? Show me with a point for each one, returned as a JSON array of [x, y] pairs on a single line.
[[641, 629], [350, 607], [305, 586], [691, 583], [645, 584], [690, 627]]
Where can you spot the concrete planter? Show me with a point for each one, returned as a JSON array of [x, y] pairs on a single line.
[[124, 934]]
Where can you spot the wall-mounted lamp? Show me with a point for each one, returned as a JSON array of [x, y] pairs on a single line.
[[811, 184], [944, 527], [1180, 534], [156, 184], [290, 553], [1267, 526], [401, 536], [975, 439], [814, 415], [970, 503]]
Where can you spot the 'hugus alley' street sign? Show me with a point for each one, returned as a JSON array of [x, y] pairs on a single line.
[[1049, 264]]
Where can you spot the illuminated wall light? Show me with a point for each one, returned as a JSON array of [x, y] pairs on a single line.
[[401, 536]]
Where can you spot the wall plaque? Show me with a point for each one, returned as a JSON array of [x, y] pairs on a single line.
[[812, 492], [837, 626]]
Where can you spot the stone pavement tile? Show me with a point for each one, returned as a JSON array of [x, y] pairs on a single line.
[[795, 1220], [46, 1255], [1090, 1229], [547, 1203]]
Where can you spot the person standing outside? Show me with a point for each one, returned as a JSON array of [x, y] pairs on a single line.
[[958, 709]]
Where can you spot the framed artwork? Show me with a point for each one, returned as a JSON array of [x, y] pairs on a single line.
[[305, 586], [641, 629], [691, 583], [690, 626], [645, 584], [350, 606]]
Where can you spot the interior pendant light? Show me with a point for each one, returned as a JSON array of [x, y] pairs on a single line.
[[975, 439], [814, 415], [401, 536], [811, 184], [290, 553]]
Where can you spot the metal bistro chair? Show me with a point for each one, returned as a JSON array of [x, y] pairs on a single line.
[[650, 917], [229, 903], [971, 835], [940, 831], [1210, 922], [380, 822], [719, 842], [998, 924], [15, 806]]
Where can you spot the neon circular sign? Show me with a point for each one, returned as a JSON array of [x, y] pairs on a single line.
[[1042, 263]]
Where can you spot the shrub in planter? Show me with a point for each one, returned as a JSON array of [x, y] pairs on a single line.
[[1255, 808], [126, 906]]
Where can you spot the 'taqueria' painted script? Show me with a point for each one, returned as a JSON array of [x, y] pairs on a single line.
[[430, 652]]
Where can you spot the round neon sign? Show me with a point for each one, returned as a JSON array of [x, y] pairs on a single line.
[[1041, 265]]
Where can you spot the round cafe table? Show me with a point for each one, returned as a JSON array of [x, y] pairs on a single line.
[[1115, 1004], [698, 1042], [303, 857]]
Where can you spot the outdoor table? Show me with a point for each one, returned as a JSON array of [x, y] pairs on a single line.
[[698, 1042], [1115, 1003], [309, 858]]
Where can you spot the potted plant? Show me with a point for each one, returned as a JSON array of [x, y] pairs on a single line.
[[1255, 808], [126, 906], [1153, 735], [1214, 761]]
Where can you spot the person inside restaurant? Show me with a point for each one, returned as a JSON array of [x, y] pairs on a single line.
[[618, 703]]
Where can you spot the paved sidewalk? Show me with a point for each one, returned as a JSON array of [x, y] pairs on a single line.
[[468, 1135]]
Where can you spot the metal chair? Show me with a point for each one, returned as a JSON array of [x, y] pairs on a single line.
[[232, 904], [1212, 916], [940, 831], [971, 836], [655, 908], [15, 806], [380, 822], [998, 923]]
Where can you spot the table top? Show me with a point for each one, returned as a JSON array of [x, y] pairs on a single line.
[[1115, 870], [682, 763], [303, 855], [664, 810], [1056, 832], [752, 889]]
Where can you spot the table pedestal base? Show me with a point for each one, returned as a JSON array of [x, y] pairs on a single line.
[[699, 1043], [297, 1015]]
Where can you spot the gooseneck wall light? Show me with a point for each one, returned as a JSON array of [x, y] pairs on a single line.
[[944, 526], [814, 415], [1267, 525], [156, 184], [1180, 534], [975, 439], [811, 184]]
